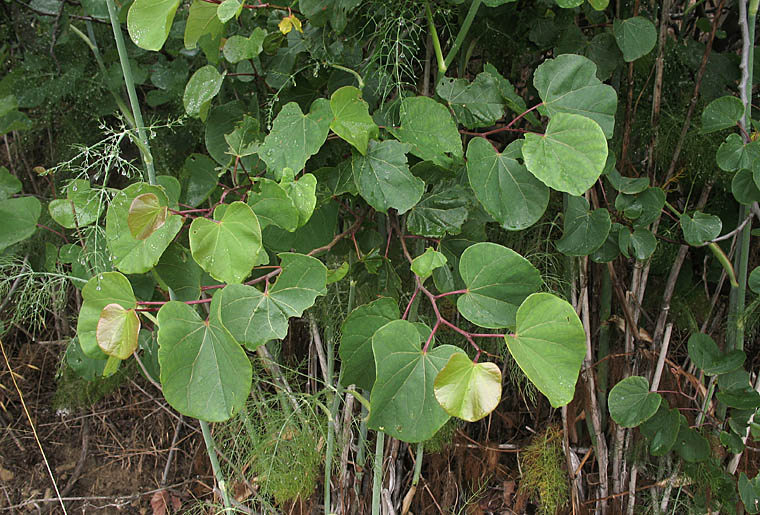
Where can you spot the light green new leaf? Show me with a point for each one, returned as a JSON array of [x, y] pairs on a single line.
[[201, 88], [201, 20], [356, 357], [146, 215], [239, 48], [81, 207], [440, 212], [584, 231], [352, 121], [505, 188], [255, 317], [133, 256], [383, 177], [631, 403], [429, 128], [549, 345], [635, 37], [9, 184], [149, 21], [568, 84], [117, 331], [178, 270], [599, 5], [475, 104], [569, 4], [296, 137], [403, 403], [468, 390], [228, 9], [227, 247], [205, 374], [700, 228], [423, 265], [272, 205], [570, 156], [722, 113], [498, 280], [19, 216], [100, 291]]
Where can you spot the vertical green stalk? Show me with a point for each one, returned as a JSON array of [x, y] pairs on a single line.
[[436, 42], [211, 448], [130, 83], [463, 30], [735, 331], [418, 463], [377, 479]]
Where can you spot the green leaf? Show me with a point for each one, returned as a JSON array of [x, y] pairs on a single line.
[[356, 357], [475, 104], [505, 188], [643, 243], [146, 215], [631, 403], [584, 231], [133, 256], [705, 354], [100, 291], [690, 445], [744, 188], [205, 374], [733, 154], [239, 48], [149, 21], [428, 127], [117, 331], [627, 185], [336, 274], [514, 101], [254, 317], [570, 156], [749, 491], [468, 390], [754, 280], [228, 9], [549, 345], [383, 177], [19, 217], [89, 369], [731, 442], [498, 280], [722, 113], [635, 37], [302, 193], [662, 430], [403, 403], [81, 207], [747, 399], [198, 178], [202, 20], [227, 247], [440, 212], [295, 137], [352, 121], [643, 208], [700, 228], [599, 5], [568, 84], [272, 205], [178, 270], [423, 265], [244, 140], [202, 87], [569, 4], [9, 184]]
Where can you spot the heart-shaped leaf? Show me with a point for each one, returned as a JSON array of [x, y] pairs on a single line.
[[272, 205], [749, 491], [227, 247], [146, 215], [352, 121], [383, 177], [442, 211], [584, 230], [505, 188], [423, 265], [733, 154], [403, 403], [722, 113], [302, 193], [498, 280], [117, 331], [549, 345], [571, 154], [356, 357], [568, 84], [296, 137], [635, 37], [99, 292], [255, 317], [700, 228], [744, 188], [705, 354], [631, 403], [468, 390], [202, 20], [205, 374], [149, 21], [133, 256], [428, 127]]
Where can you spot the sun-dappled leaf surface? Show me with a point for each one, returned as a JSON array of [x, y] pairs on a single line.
[[468, 390]]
